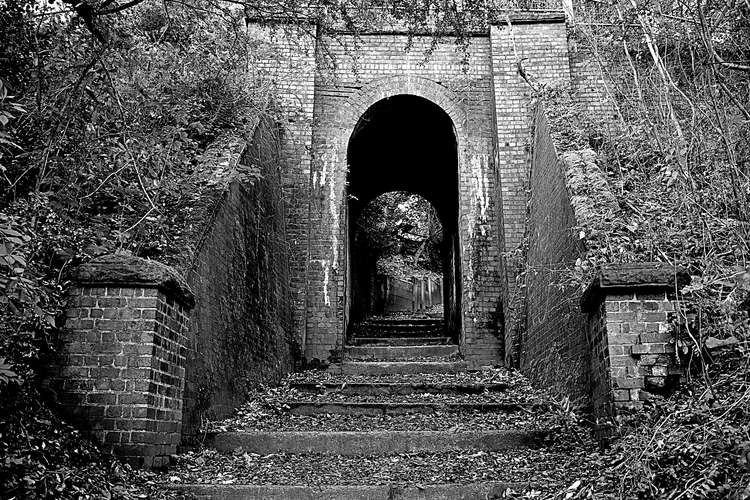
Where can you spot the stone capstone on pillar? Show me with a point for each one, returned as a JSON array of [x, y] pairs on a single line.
[[120, 368]]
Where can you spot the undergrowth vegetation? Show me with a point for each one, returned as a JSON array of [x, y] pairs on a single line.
[[102, 134], [674, 147]]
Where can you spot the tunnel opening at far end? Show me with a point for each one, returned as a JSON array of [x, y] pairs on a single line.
[[402, 211]]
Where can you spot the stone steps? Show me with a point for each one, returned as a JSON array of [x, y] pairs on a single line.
[[474, 491], [400, 341], [395, 353], [411, 425], [367, 368], [380, 328], [387, 408], [467, 471], [372, 442], [396, 388]]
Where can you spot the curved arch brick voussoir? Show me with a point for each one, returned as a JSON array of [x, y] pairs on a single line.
[[382, 88]]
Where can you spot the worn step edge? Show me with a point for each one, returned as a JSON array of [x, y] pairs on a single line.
[[373, 442], [397, 388], [422, 331], [400, 341], [405, 321], [470, 491], [393, 353], [396, 367], [381, 409]]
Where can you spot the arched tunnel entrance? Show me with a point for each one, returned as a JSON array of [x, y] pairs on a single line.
[[404, 144]]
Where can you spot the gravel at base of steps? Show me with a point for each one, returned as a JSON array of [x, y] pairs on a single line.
[[474, 491]]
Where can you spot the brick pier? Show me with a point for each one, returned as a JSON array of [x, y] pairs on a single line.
[[120, 370]]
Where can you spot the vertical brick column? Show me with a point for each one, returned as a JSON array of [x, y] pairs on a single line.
[[630, 310], [120, 371], [540, 42]]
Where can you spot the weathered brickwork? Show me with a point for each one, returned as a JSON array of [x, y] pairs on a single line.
[[121, 366], [384, 69], [616, 350], [284, 56], [240, 328], [542, 50], [553, 349], [630, 311], [487, 101], [589, 82]]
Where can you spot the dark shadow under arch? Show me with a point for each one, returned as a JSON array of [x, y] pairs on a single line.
[[405, 143]]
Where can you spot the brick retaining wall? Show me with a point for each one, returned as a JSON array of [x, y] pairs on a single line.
[[553, 347], [240, 330]]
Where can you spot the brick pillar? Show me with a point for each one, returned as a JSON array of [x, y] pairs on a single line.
[[630, 309], [120, 371]]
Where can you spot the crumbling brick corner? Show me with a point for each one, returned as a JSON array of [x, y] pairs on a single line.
[[120, 367], [630, 310]]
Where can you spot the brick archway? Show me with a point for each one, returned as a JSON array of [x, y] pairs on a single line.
[[401, 142], [385, 87], [473, 320], [346, 121]]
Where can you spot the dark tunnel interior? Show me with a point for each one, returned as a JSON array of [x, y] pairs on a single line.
[[404, 143]]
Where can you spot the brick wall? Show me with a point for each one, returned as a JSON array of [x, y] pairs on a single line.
[[284, 57], [120, 368], [553, 347], [240, 329], [383, 69], [542, 46], [588, 76]]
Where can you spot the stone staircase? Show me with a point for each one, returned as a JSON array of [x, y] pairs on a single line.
[[398, 418]]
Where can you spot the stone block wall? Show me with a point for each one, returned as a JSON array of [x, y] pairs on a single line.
[[241, 327], [630, 311], [553, 347], [120, 368]]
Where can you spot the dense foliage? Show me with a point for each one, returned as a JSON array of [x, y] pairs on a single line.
[[403, 233], [103, 128], [675, 152]]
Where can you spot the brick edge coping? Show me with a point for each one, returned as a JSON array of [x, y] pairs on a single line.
[[634, 277], [123, 271]]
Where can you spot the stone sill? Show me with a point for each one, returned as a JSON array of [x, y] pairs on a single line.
[[127, 271], [633, 278]]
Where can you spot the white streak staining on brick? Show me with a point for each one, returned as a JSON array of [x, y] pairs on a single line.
[[480, 195], [326, 266], [326, 279], [330, 160]]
